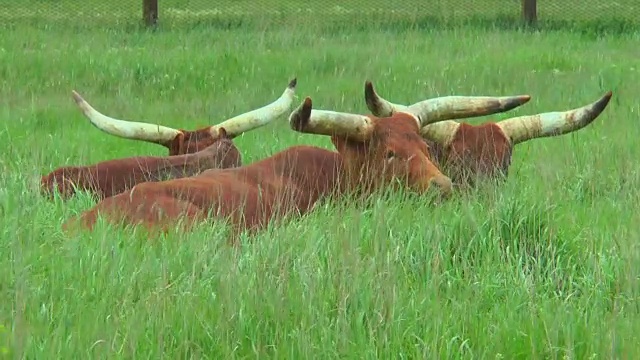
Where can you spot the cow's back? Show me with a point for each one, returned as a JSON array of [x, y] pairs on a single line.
[[248, 196]]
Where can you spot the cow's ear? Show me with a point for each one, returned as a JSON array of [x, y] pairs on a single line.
[[176, 147], [222, 133]]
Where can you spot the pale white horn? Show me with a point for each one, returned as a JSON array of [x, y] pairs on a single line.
[[523, 128], [443, 108], [258, 117], [125, 129], [441, 132], [323, 122]]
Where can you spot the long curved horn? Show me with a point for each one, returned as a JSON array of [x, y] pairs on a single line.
[[156, 134], [323, 122], [443, 108], [523, 128], [379, 106], [258, 117]]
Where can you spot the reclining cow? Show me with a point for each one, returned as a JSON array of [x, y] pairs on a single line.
[[179, 141], [111, 177], [372, 153], [469, 152]]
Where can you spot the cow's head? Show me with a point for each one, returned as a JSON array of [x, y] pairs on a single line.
[[467, 152], [382, 150], [180, 141]]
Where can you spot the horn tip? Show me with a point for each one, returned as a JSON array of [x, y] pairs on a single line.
[[514, 102], [368, 88], [76, 97], [293, 83], [370, 96], [300, 117], [602, 103], [525, 98], [369, 92]]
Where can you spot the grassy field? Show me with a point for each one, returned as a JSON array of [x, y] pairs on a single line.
[[543, 266], [618, 16]]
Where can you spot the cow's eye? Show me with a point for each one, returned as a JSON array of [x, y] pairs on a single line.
[[391, 154]]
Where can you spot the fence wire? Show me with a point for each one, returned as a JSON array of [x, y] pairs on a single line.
[[620, 13]]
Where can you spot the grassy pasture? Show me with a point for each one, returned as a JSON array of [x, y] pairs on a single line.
[[591, 16], [543, 266]]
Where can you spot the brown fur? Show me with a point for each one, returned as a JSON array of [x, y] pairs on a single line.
[[481, 151], [189, 142], [112, 177], [287, 183], [485, 151]]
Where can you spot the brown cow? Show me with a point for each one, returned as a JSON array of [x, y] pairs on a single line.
[[468, 152], [180, 141], [371, 152], [111, 177]]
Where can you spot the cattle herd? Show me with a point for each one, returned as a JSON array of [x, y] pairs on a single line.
[[418, 146]]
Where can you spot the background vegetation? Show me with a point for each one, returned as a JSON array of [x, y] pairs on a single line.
[[542, 266]]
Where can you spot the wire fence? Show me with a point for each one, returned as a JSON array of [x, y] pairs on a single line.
[[620, 15]]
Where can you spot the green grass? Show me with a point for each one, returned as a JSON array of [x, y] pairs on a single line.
[[612, 16], [542, 266]]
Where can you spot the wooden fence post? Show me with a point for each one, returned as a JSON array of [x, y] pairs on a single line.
[[530, 12], [150, 12]]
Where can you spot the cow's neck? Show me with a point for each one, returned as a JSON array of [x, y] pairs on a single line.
[[322, 172]]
